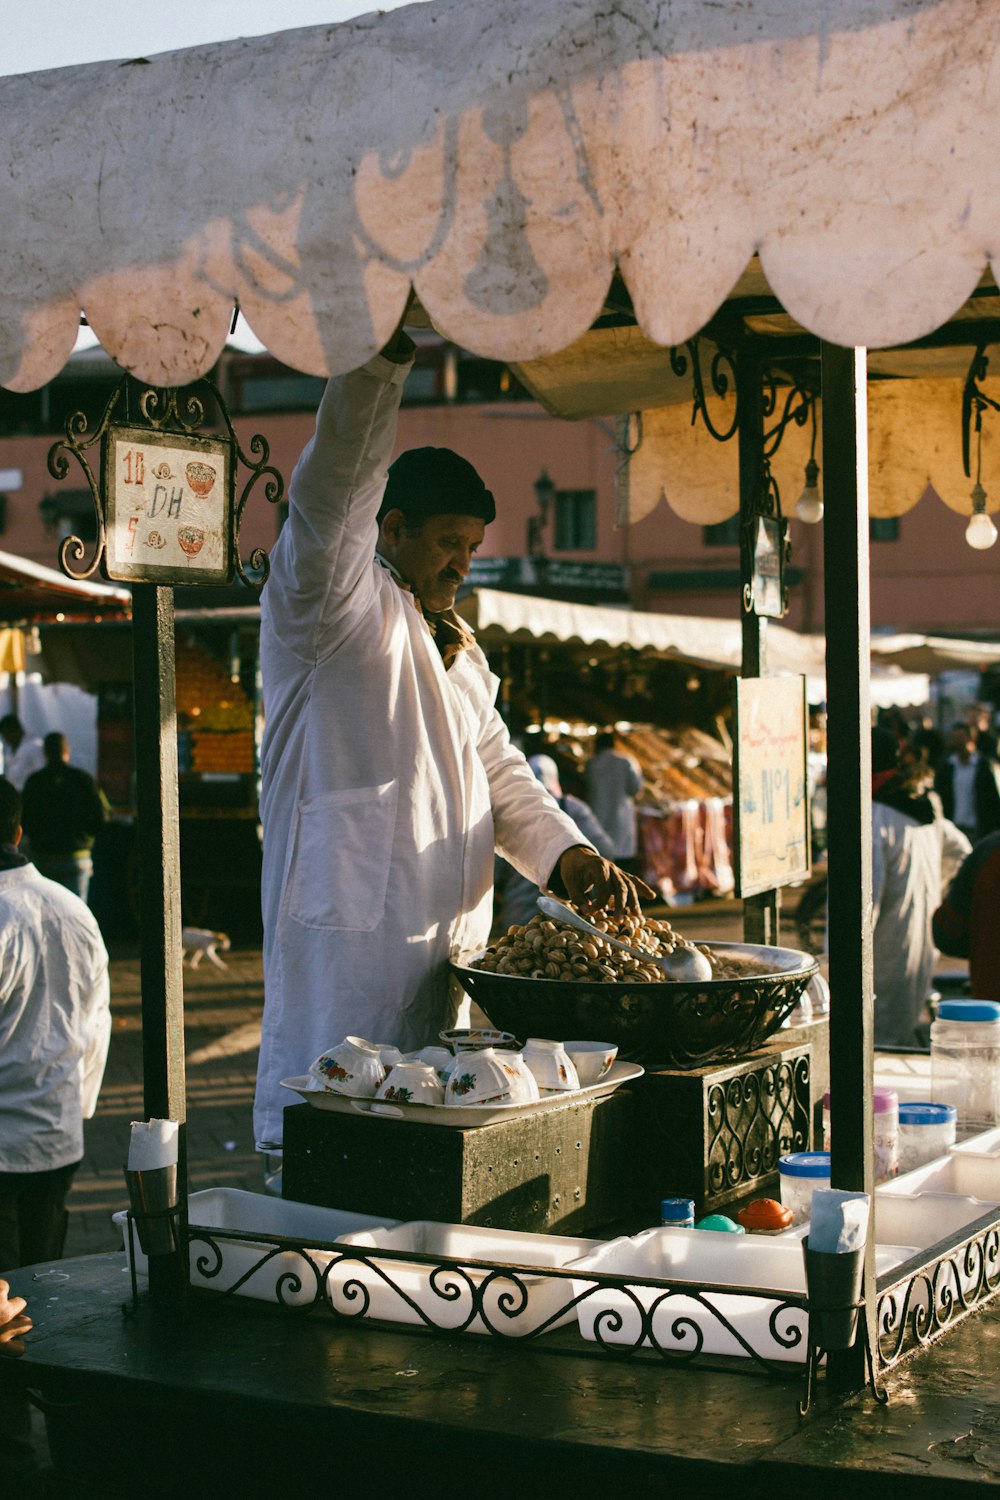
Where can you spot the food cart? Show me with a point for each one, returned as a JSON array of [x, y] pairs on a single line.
[[759, 164]]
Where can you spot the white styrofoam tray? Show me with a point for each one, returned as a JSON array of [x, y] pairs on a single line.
[[697, 1255], [219, 1209], [414, 1292]]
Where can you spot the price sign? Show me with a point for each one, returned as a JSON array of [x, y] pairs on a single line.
[[770, 801], [169, 507]]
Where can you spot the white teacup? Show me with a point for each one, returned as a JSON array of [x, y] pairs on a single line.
[[412, 1083], [592, 1060], [483, 1076], [551, 1065], [388, 1055], [439, 1058], [524, 1086], [352, 1067]]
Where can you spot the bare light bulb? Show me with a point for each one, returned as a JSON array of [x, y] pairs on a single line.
[[809, 506], [980, 532]]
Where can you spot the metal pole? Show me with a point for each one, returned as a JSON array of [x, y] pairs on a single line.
[[849, 842], [161, 974], [761, 913]]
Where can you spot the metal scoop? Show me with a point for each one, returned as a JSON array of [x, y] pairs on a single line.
[[685, 963]]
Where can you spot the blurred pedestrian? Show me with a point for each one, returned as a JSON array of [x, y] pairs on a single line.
[[55, 1024], [981, 722], [968, 784], [966, 923], [915, 852], [515, 896], [64, 810], [22, 753], [614, 780]]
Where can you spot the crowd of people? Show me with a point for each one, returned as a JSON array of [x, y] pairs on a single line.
[[935, 864]]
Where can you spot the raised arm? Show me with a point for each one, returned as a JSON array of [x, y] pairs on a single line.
[[321, 563]]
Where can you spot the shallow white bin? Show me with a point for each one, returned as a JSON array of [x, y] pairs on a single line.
[[219, 1209], [963, 1173], [428, 1304], [977, 1164], [924, 1218], [714, 1322]]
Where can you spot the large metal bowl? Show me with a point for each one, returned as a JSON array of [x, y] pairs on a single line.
[[671, 1025]]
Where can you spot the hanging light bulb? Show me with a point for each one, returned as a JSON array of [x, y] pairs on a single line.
[[809, 505], [980, 532]]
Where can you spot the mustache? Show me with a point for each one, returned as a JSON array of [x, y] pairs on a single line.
[[450, 576]]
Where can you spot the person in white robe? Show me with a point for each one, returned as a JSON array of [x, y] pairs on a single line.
[[388, 779]]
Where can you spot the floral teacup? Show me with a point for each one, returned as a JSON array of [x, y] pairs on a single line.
[[412, 1083], [352, 1067]]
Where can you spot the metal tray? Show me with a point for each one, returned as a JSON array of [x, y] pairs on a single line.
[[463, 1116]]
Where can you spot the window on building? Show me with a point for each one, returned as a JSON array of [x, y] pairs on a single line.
[[575, 520], [883, 528], [723, 533]]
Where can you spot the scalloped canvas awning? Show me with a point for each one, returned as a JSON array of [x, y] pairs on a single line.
[[504, 156], [901, 665]]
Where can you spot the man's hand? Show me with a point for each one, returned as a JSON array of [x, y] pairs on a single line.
[[14, 1321], [595, 884], [400, 347]]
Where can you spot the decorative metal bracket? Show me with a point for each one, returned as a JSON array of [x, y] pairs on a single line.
[[721, 383], [168, 419], [974, 402]]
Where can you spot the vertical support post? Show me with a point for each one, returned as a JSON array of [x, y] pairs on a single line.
[[761, 913], [849, 843], [161, 974]]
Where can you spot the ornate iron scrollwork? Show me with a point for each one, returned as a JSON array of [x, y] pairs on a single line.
[[165, 411], [721, 384]]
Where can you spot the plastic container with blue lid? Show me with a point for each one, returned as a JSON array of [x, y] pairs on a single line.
[[926, 1131], [965, 1061], [800, 1173], [677, 1213]]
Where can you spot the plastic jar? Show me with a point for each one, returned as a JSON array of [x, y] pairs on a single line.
[[885, 1131], [926, 1131], [799, 1174], [677, 1213], [965, 1061]]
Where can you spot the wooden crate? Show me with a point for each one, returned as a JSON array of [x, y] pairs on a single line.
[[567, 1170]]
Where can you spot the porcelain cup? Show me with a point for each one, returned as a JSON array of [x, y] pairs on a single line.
[[388, 1055], [352, 1067], [592, 1060], [439, 1058], [524, 1087], [412, 1083], [483, 1076], [551, 1065]]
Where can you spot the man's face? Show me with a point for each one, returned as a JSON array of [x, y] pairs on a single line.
[[435, 561]]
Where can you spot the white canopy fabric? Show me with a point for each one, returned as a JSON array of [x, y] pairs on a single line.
[[504, 156], [499, 617]]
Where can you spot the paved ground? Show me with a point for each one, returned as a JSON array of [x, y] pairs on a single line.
[[222, 1026], [223, 1010]]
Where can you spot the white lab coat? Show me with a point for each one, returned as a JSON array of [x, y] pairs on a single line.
[[387, 782], [55, 1021], [912, 864]]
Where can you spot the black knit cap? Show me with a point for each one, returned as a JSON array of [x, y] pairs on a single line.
[[436, 482]]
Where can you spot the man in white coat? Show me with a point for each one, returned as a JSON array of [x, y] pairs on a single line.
[[915, 852], [388, 777]]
